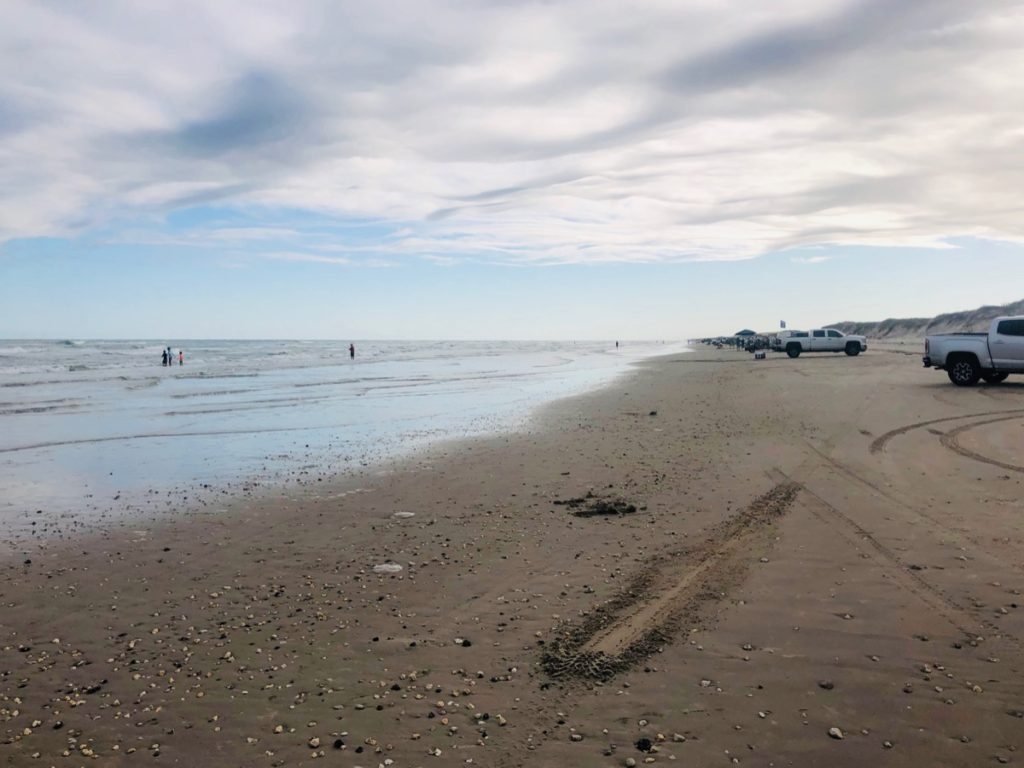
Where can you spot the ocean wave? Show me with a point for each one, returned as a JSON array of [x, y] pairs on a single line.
[[37, 409]]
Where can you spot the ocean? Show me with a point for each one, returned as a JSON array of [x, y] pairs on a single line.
[[95, 430]]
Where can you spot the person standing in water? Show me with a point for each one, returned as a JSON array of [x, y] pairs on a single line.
[[181, 357], [164, 358], [352, 351]]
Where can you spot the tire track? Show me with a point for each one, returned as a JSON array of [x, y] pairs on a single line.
[[966, 620], [878, 445], [951, 440], [644, 617], [954, 533]]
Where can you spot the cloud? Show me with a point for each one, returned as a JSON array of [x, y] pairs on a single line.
[[519, 133], [312, 257]]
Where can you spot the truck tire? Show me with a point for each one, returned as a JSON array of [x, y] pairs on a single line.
[[853, 349], [964, 372], [994, 377], [793, 350]]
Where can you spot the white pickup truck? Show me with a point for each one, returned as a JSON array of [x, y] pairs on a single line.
[[819, 340], [968, 357]]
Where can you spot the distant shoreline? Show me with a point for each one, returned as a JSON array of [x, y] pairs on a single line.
[[135, 439]]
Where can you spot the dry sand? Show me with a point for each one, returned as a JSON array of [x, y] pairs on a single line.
[[822, 543]]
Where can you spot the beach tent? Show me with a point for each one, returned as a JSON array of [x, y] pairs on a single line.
[[745, 332]]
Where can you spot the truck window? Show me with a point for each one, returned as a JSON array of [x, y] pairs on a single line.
[[819, 334], [799, 334], [835, 335], [1010, 328]]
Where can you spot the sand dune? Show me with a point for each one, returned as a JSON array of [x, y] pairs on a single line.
[[916, 328]]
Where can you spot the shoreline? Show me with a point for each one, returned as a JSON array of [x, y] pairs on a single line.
[[770, 551], [148, 466], [260, 491]]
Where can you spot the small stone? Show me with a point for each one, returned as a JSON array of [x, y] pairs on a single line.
[[630, 762], [835, 733], [887, 744]]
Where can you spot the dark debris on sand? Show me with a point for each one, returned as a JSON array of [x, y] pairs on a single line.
[[592, 506]]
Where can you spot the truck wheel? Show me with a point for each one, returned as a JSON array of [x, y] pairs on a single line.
[[964, 372], [853, 349], [793, 350], [994, 378]]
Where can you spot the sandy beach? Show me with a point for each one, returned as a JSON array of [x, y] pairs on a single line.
[[714, 561]]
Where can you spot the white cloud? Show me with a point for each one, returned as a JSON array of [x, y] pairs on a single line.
[[524, 133]]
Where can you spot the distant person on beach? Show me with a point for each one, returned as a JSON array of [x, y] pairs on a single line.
[[165, 358], [181, 357], [352, 351], [616, 345]]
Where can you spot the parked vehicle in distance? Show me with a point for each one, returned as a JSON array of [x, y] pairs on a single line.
[[793, 343], [970, 357]]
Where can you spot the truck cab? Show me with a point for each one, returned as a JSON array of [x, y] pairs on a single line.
[[1007, 343]]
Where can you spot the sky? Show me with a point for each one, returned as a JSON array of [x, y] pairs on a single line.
[[576, 169]]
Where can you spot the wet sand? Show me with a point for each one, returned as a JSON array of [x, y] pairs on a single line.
[[814, 544]]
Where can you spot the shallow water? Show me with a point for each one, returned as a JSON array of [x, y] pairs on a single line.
[[91, 429]]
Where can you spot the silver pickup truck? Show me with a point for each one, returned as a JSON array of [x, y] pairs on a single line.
[[968, 357]]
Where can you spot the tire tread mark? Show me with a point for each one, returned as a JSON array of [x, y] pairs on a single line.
[[951, 440], [878, 445], [938, 523], [959, 616]]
